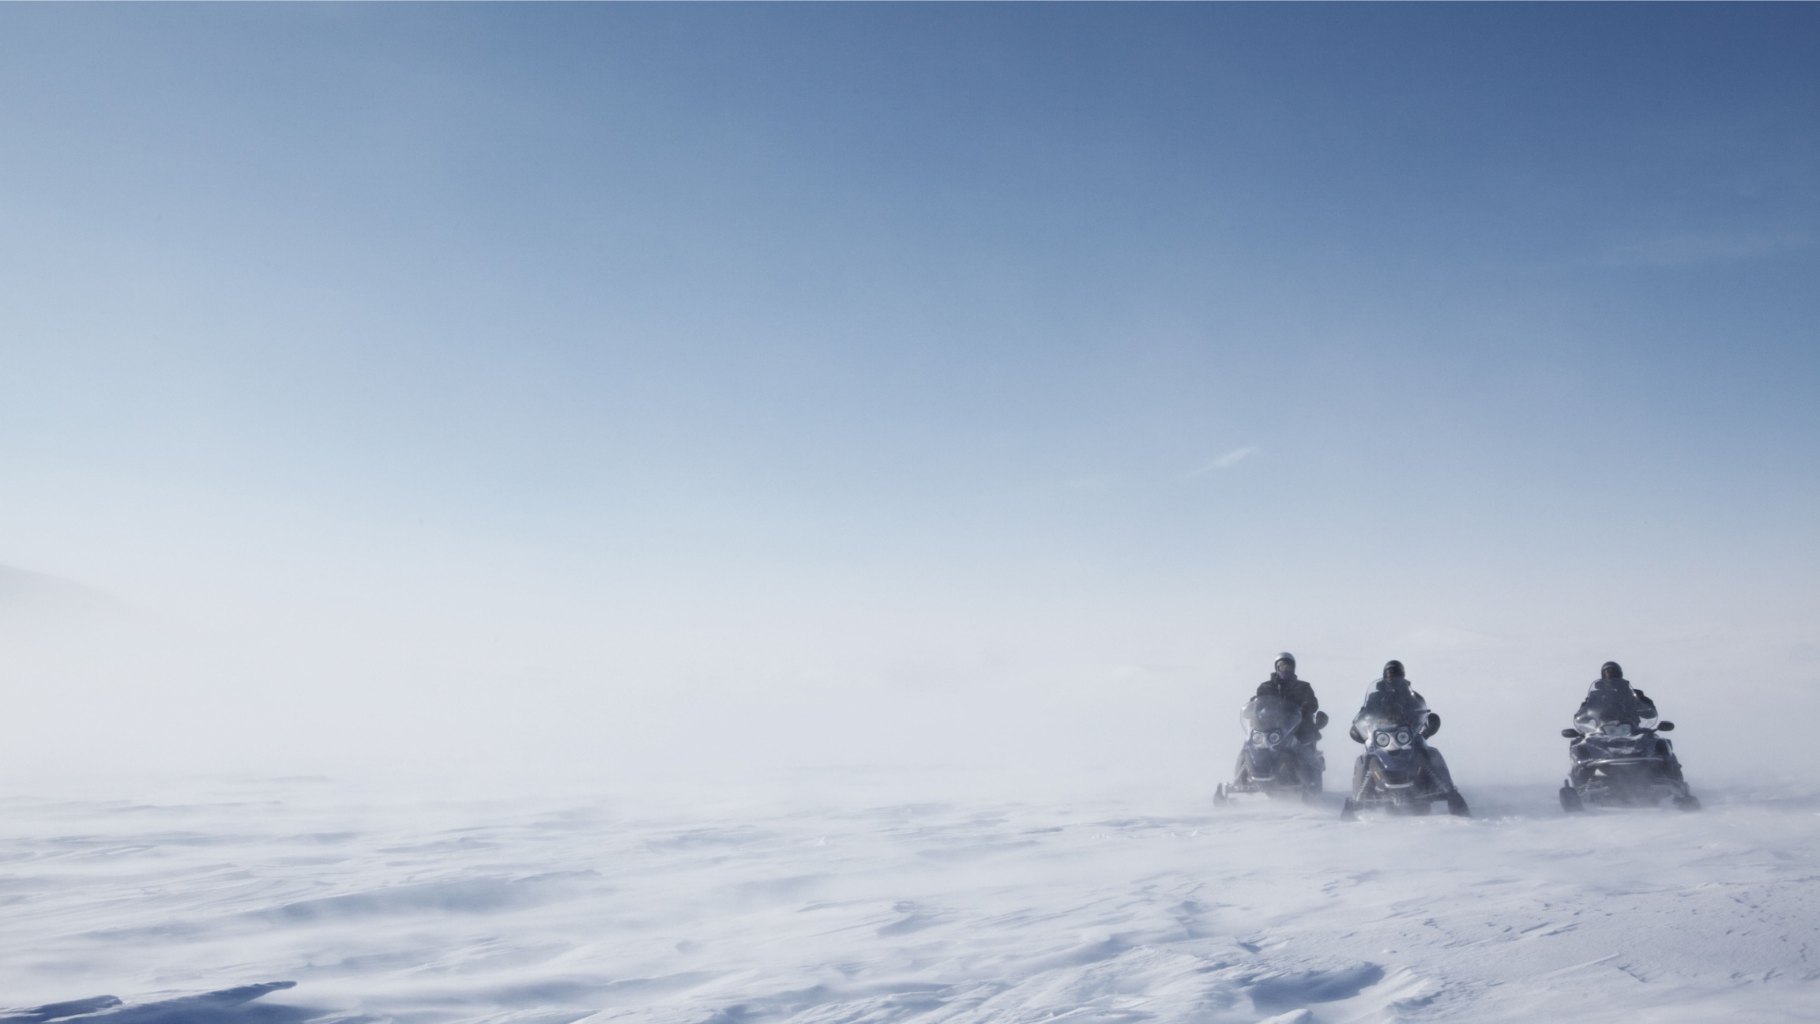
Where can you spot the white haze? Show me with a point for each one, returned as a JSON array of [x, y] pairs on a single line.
[[478, 680]]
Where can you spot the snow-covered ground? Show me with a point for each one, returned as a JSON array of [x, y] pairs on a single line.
[[849, 899]]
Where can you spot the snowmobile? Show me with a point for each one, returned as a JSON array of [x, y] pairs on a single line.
[[1272, 760], [1395, 772], [1618, 760]]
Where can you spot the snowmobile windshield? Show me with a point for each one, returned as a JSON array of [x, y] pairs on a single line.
[[1391, 720], [1271, 716], [1389, 707], [1614, 712]]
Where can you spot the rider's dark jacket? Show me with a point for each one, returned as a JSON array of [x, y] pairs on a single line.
[[1645, 708], [1296, 691]]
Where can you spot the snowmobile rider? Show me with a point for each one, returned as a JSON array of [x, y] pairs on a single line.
[[1611, 681], [1284, 685], [1392, 696]]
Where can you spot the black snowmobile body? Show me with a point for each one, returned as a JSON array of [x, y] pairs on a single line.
[[1619, 760], [1398, 771], [1272, 761]]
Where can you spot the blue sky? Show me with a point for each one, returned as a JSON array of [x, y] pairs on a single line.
[[1055, 342]]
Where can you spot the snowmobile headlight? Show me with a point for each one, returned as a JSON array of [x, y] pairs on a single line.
[[1275, 737], [1402, 737], [1615, 729], [1384, 738], [1257, 737]]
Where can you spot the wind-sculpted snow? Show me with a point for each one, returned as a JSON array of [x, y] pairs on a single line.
[[851, 911]]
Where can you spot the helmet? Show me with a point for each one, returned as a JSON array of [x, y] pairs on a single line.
[[1611, 670], [1393, 669], [1281, 658]]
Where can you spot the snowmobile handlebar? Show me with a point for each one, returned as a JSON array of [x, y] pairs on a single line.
[[1575, 733]]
